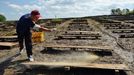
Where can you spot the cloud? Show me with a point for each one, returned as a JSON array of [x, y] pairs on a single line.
[[114, 1], [24, 7], [14, 6], [31, 7], [83, 7], [74, 8]]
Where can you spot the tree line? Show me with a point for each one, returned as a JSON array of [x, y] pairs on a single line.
[[118, 11]]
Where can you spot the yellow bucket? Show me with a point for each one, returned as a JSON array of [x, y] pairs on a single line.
[[38, 37]]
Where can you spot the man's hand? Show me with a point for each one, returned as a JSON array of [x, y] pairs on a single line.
[[36, 27]]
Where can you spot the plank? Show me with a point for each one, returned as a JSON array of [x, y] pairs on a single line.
[[78, 38], [8, 39], [113, 23], [8, 36], [80, 29], [80, 32], [81, 65], [126, 36], [92, 32], [87, 47], [78, 23], [81, 35], [123, 29], [10, 44], [118, 28], [127, 26]]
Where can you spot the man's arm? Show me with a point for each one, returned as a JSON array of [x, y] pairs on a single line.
[[42, 28], [45, 29]]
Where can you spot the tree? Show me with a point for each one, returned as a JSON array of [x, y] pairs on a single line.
[[113, 11], [2, 18], [125, 12], [118, 11]]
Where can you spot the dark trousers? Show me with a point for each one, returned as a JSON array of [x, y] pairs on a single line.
[[28, 42]]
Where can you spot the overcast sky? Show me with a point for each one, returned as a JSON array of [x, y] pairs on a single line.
[[13, 9]]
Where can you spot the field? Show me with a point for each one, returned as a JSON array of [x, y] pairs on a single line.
[[99, 40]]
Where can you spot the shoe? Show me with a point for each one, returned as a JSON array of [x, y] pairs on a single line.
[[31, 58]]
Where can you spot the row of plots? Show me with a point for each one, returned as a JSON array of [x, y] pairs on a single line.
[[80, 29], [121, 28]]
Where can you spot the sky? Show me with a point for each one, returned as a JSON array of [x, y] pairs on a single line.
[[14, 9]]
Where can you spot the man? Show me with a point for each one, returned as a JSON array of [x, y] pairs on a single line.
[[23, 29]]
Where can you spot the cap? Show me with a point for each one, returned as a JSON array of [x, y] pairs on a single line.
[[35, 13]]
